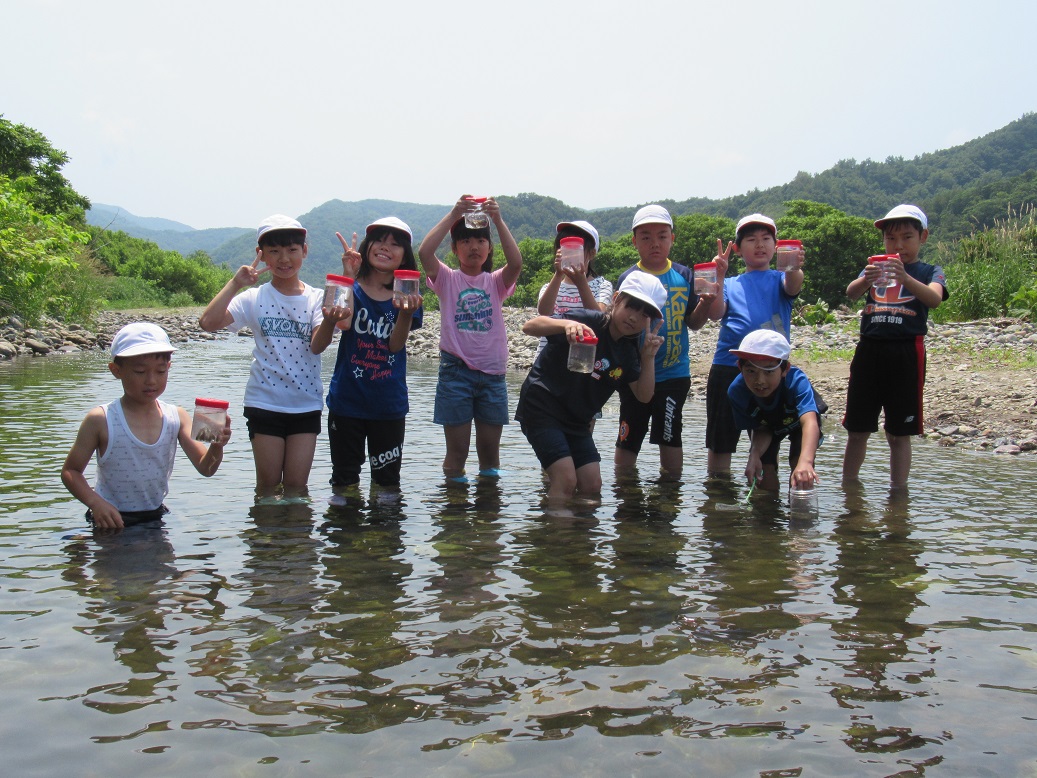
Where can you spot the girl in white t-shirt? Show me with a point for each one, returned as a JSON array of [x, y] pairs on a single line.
[[473, 341]]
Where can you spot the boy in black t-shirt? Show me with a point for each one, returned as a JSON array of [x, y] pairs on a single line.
[[888, 368], [556, 405]]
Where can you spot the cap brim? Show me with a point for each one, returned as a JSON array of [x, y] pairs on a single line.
[[137, 351], [754, 357]]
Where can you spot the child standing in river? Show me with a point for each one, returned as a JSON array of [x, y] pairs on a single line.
[[367, 398], [473, 341], [284, 394], [135, 437]]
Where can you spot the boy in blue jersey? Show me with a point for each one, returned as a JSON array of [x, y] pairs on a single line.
[[775, 401], [757, 298], [653, 238], [888, 368]]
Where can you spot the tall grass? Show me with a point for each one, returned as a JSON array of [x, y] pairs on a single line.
[[989, 273]]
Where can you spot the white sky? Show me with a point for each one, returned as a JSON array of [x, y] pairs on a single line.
[[218, 113]]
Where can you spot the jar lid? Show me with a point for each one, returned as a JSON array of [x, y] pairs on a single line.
[[208, 402], [589, 339], [410, 275], [332, 278], [882, 258], [571, 242], [706, 266], [798, 244], [477, 199]]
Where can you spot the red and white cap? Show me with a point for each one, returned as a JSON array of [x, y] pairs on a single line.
[[763, 344]]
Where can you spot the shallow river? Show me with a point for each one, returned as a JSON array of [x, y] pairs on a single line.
[[463, 631]]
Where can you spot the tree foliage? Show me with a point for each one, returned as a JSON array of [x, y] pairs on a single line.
[[27, 157], [35, 247], [837, 247]]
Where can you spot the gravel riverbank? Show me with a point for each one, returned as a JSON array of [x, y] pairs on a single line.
[[979, 395]]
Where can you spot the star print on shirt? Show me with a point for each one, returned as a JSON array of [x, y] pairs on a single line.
[[358, 373], [392, 359]]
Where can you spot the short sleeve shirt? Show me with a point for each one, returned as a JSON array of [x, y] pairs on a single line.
[[285, 374], [893, 313], [471, 317], [755, 300], [672, 360]]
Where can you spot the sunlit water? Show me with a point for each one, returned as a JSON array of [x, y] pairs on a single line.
[[461, 630]]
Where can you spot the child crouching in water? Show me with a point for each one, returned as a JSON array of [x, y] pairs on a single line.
[[773, 401], [135, 437], [473, 341], [556, 405]]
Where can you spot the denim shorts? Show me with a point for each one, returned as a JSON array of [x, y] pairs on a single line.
[[551, 444], [463, 394]]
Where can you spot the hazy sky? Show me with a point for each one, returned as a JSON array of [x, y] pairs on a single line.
[[218, 113]]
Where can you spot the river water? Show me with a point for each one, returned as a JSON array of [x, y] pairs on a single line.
[[463, 631]]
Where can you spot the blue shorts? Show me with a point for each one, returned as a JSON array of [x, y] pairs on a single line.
[[551, 444], [463, 394]]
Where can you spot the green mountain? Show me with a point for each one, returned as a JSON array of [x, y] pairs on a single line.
[[962, 189]]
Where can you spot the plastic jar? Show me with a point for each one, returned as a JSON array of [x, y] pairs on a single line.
[[572, 253], [404, 284], [880, 260], [581, 354], [477, 219], [338, 292], [705, 278], [210, 417], [803, 502], [784, 251]]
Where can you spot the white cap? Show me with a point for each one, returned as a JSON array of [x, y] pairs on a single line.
[[582, 226], [763, 343], [392, 223], [278, 222], [652, 214], [905, 212], [646, 288], [141, 337], [757, 218]]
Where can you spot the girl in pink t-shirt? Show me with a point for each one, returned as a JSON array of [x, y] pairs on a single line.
[[473, 342]]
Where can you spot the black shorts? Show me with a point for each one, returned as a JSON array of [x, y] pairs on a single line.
[[887, 376], [281, 425], [721, 432], [553, 443], [665, 412]]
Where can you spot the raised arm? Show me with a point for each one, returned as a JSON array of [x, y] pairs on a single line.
[[215, 316], [427, 249], [718, 307], [644, 387], [512, 255]]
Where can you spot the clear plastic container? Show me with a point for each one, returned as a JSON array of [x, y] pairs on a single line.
[[884, 279], [783, 254], [210, 417], [803, 502], [581, 354], [338, 292], [705, 278], [572, 253], [477, 219], [404, 284]]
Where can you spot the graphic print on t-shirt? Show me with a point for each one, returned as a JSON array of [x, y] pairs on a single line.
[[474, 311]]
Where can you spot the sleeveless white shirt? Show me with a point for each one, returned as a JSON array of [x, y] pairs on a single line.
[[131, 475]]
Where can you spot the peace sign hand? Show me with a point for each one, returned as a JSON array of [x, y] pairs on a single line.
[[723, 257], [248, 275], [350, 256], [653, 340]]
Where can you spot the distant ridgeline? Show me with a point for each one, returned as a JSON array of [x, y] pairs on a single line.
[[962, 189]]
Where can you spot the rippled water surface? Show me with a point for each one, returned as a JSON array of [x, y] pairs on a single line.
[[462, 630]]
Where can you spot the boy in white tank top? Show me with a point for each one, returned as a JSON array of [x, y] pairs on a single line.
[[135, 437]]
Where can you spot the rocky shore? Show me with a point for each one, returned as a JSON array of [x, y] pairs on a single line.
[[980, 393]]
